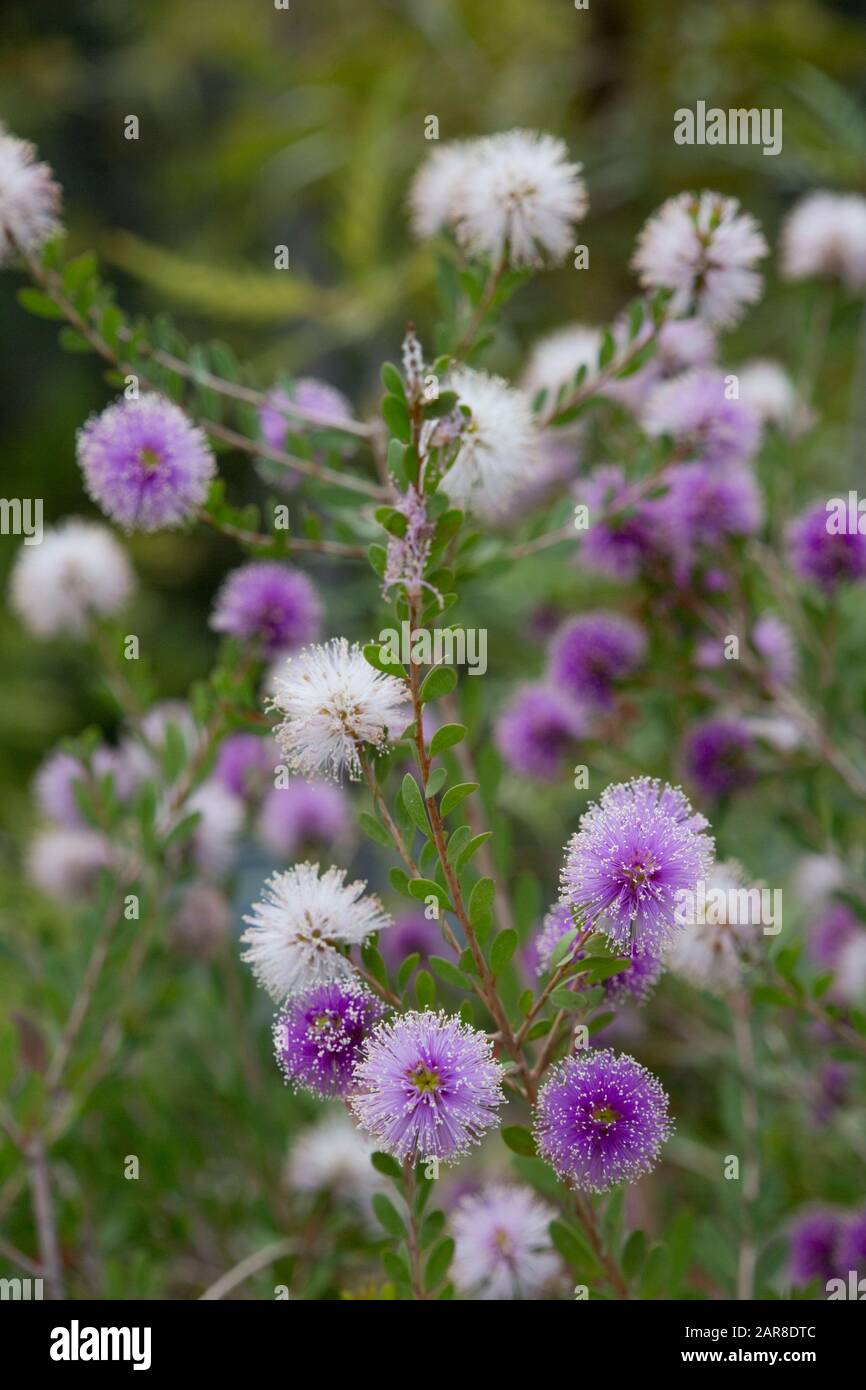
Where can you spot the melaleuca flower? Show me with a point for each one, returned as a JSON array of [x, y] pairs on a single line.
[[718, 756], [701, 506], [832, 931], [634, 851], [302, 814], [497, 446], [76, 574], [319, 1036], [245, 765], [502, 1247], [315, 402], [295, 932], [436, 186], [556, 359], [407, 554], [695, 410], [814, 1246], [771, 395], [145, 463], [29, 199], [537, 728], [269, 604], [601, 1119], [592, 653], [824, 557], [775, 645], [60, 774], [332, 702], [711, 952], [825, 236], [635, 982], [65, 863], [621, 539], [215, 839], [201, 925], [412, 934], [703, 249], [332, 1155], [428, 1086], [519, 200], [852, 1250]]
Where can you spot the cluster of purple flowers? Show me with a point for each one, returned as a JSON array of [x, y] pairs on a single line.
[[590, 658], [827, 1244]]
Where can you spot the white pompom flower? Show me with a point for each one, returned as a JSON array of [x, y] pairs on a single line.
[[29, 198], [294, 933], [703, 248], [332, 702], [766, 387], [76, 573], [518, 200], [435, 187], [556, 359], [498, 450], [825, 236], [711, 954]]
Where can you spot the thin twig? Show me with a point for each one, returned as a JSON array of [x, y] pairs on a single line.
[[277, 1250]]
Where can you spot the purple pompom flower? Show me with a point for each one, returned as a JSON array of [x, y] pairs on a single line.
[[852, 1251], [635, 851], [245, 765], [835, 929], [635, 982], [302, 813], [145, 464], [775, 645], [412, 934], [717, 756], [268, 603], [316, 403], [319, 1036], [592, 653], [621, 544], [702, 506], [537, 727], [695, 409], [601, 1119], [825, 557], [814, 1245], [502, 1244], [428, 1086]]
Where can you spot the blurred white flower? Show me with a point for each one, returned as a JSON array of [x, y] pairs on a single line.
[[29, 198], [703, 248], [710, 954], [766, 387], [215, 838], [824, 235], [498, 446], [555, 359], [849, 985], [518, 199], [502, 1243], [78, 571], [64, 863], [294, 932], [332, 1155], [434, 190], [332, 701]]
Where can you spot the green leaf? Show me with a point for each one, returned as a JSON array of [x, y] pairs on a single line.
[[392, 380], [388, 1216], [425, 989], [561, 950], [406, 969], [431, 1228], [567, 999], [455, 795], [414, 803], [378, 557], [374, 658], [422, 888], [435, 782], [71, 341], [571, 1245], [35, 302], [438, 1263], [634, 1254], [446, 737], [447, 971], [440, 681], [597, 968], [474, 844], [384, 1163], [396, 1267], [396, 417], [519, 1140], [503, 948], [375, 830], [399, 880], [481, 900]]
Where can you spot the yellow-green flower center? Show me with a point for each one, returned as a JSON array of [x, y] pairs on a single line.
[[424, 1080]]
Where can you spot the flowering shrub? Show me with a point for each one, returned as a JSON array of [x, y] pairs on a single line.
[[468, 1111]]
